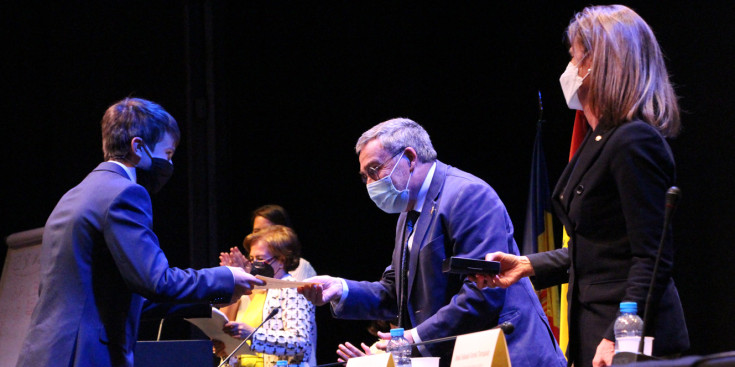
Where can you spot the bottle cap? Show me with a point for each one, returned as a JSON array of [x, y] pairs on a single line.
[[628, 307], [396, 332]]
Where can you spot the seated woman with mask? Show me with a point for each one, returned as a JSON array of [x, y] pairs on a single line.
[[264, 217], [272, 252]]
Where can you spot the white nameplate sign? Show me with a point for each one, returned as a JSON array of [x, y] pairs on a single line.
[[482, 349]]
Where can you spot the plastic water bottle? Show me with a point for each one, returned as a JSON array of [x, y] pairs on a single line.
[[281, 363], [399, 348], [628, 328]]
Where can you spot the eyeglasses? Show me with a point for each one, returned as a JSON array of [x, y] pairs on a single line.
[[374, 172], [260, 259]]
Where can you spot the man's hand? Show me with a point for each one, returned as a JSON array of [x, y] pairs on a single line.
[[244, 283], [512, 269], [346, 351], [326, 290], [237, 330], [604, 354]]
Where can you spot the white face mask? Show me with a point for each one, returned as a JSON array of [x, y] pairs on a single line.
[[570, 83], [386, 196]]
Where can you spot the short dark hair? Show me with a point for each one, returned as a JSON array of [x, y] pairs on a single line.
[[133, 117], [274, 213], [282, 244]]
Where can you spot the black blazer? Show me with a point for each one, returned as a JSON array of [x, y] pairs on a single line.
[[611, 199]]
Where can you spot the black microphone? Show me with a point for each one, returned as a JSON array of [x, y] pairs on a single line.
[[507, 328], [672, 200], [673, 194], [270, 316]]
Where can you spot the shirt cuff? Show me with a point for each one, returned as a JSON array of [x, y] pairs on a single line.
[[417, 339], [345, 291]]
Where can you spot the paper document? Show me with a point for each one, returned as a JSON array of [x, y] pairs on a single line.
[[272, 283], [213, 328]]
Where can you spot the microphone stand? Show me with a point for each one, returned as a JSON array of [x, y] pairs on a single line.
[[672, 198], [507, 328], [270, 316]]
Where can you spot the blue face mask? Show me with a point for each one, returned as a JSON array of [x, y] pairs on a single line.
[[386, 196]]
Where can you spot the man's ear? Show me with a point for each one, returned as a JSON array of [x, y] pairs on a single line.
[[413, 157], [135, 150]]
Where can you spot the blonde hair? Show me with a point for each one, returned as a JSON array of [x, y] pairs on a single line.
[[282, 243], [628, 77]]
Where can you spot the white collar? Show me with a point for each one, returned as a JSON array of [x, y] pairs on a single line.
[[421, 198], [130, 170]]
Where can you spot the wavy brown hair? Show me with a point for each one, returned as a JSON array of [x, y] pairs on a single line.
[[282, 243]]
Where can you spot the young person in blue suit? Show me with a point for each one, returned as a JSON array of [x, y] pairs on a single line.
[[100, 257]]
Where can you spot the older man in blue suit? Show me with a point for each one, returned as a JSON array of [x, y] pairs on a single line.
[[100, 257], [444, 212]]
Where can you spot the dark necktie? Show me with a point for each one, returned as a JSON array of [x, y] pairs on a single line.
[[404, 320]]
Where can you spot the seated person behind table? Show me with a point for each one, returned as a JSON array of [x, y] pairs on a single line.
[[348, 350], [268, 215], [263, 217], [272, 252]]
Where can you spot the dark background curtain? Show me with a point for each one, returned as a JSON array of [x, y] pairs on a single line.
[[271, 97]]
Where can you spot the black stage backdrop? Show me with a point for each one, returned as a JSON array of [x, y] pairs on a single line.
[[271, 97]]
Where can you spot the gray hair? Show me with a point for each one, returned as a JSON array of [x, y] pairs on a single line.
[[397, 134]]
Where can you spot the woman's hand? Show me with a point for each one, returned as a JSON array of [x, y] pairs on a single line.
[[235, 258], [346, 351], [604, 354], [512, 269], [237, 330], [219, 348]]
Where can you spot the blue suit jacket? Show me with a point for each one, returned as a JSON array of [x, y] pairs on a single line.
[[99, 258], [462, 216]]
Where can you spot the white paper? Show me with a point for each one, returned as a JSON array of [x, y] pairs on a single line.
[[213, 328], [273, 283]]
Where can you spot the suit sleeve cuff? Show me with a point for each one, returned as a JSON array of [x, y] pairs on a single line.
[[610, 333]]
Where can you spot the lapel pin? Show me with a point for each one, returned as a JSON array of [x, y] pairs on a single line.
[[598, 137]]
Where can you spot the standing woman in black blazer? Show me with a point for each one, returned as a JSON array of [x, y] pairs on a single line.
[[611, 196]]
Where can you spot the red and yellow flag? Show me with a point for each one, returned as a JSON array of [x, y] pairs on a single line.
[[578, 133]]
